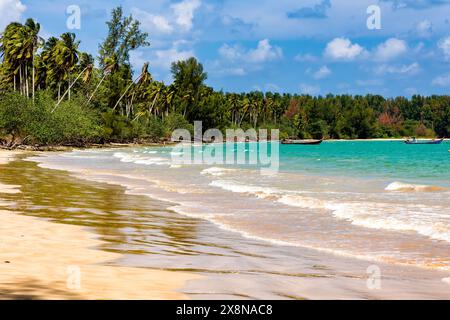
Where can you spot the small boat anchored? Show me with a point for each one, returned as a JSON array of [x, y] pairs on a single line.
[[415, 141], [301, 142]]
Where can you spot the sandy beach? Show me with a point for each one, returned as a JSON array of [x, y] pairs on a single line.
[[86, 225], [44, 260]]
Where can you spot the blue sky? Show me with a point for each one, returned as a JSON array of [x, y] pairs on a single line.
[[296, 46]]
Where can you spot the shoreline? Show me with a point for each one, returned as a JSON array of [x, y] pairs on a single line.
[[330, 281], [59, 148], [45, 260]]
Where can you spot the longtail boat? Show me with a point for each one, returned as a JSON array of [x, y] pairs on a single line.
[[415, 141], [301, 142]]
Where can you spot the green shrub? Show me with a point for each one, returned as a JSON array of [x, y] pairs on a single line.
[[35, 123], [177, 121]]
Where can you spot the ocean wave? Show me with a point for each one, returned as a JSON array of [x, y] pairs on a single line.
[[382, 216], [303, 202], [137, 159], [408, 187], [258, 191], [216, 171]]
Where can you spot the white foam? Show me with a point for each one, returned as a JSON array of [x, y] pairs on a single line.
[[302, 202], [216, 171], [409, 187], [371, 215], [137, 159], [258, 191], [383, 216]]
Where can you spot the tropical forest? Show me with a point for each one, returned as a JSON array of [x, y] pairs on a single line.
[[51, 93]]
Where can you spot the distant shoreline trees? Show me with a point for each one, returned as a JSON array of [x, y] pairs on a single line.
[[54, 80]]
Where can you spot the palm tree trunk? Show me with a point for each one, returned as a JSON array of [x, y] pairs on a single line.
[[123, 95], [26, 81], [69, 86], [33, 76], [20, 80], [152, 105], [96, 88], [68, 90]]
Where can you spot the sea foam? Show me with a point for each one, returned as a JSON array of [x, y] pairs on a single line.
[[216, 171], [408, 187]]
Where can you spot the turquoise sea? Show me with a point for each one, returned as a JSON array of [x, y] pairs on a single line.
[[382, 159]]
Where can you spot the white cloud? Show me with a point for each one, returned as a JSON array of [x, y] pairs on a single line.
[[216, 68], [305, 58], [343, 49], [442, 81], [235, 71], [413, 68], [164, 58], [10, 11], [151, 22], [444, 45], [309, 89], [424, 28], [262, 53], [323, 72], [184, 13], [390, 49], [231, 52], [265, 52]]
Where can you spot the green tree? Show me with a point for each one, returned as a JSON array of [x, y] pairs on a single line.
[[188, 78]]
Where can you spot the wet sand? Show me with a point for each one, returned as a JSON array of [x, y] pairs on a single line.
[[45, 260]]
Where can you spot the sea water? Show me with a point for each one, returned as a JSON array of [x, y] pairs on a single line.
[[376, 201]]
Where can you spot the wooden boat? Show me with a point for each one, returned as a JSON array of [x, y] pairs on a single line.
[[301, 142], [415, 141]]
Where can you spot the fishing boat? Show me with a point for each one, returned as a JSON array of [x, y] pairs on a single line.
[[301, 142], [415, 141]]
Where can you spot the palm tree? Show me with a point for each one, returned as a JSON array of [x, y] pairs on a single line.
[[155, 92], [144, 74], [66, 55], [16, 48], [33, 29], [7, 48], [111, 65], [55, 71], [87, 71]]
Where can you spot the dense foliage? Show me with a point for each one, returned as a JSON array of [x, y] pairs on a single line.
[[51, 93]]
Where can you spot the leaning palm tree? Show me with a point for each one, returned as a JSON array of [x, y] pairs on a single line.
[[87, 72], [156, 90], [144, 74], [111, 65]]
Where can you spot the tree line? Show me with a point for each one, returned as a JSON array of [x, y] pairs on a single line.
[[52, 93]]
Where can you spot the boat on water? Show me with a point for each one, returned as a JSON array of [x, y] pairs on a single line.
[[301, 142], [415, 141]]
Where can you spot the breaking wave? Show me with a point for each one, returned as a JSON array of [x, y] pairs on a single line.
[[409, 187]]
